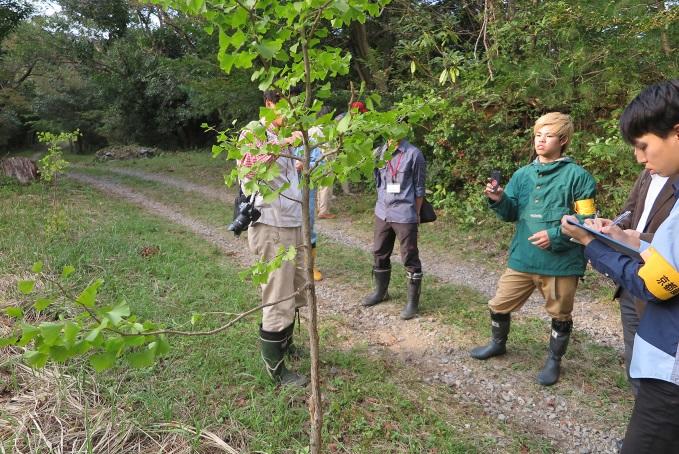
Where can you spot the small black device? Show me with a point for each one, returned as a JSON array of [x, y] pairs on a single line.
[[246, 214], [495, 177]]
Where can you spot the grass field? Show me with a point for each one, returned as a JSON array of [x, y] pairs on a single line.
[[373, 402], [213, 382]]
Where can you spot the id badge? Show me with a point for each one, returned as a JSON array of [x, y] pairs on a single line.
[[393, 188]]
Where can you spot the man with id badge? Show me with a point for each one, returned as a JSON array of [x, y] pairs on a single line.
[[400, 187]]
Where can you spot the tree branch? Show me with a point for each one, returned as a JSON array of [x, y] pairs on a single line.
[[74, 300], [70, 297], [25, 76], [225, 326]]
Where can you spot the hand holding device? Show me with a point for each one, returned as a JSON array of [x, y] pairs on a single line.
[[495, 177], [493, 189]]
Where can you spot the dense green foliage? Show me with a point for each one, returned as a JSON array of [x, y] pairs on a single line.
[[125, 72]]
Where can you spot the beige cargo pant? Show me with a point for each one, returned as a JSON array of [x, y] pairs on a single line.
[[324, 197], [264, 241], [515, 287]]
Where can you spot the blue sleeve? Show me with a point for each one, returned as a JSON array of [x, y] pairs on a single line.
[[623, 269], [316, 155]]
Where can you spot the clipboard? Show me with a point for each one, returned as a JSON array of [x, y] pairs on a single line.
[[612, 243]]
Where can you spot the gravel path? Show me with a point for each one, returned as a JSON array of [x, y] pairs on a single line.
[[434, 349], [599, 319]]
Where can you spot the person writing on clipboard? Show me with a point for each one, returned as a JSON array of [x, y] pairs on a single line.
[[650, 123], [646, 208]]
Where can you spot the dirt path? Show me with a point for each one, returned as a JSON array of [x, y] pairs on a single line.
[[436, 350], [599, 319]]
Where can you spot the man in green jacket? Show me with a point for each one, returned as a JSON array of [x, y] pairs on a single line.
[[540, 256]]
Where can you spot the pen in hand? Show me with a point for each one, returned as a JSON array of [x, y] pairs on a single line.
[[621, 217]]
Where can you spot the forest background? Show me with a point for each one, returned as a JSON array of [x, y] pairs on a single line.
[[124, 71]]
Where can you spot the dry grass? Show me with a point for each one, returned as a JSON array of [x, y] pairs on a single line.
[[52, 411]]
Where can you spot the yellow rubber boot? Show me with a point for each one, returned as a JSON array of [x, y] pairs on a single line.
[[318, 276]]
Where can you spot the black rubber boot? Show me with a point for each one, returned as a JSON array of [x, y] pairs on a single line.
[[558, 342], [382, 278], [414, 288], [499, 329], [291, 349], [274, 346]]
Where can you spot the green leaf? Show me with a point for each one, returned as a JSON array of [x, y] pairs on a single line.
[[114, 345], [28, 332], [37, 267], [195, 318], [290, 253], [197, 5], [71, 331], [94, 333], [50, 332], [266, 83], [67, 271], [268, 48], [272, 196], [141, 359], [14, 312], [102, 361], [244, 59], [60, 353], [342, 5], [343, 124], [134, 341], [89, 295], [453, 74], [162, 346], [80, 348], [413, 67], [119, 312], [443, 77], [42, 304], [26, 287], [238, 17], [369, 103], [7, 341], [36, 360], [237, 39]]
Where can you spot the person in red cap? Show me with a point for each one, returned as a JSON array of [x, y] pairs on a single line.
[[359, 105]]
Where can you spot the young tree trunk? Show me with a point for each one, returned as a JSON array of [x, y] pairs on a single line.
[[315, 403], [359, 38], [664, 40]]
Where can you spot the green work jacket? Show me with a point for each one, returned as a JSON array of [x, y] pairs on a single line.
[[536, 198]]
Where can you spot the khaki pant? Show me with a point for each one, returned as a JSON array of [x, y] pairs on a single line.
[[324, 197], [264, 241], [515, 287]]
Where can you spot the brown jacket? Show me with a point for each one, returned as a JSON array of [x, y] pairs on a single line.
[[661, 209]]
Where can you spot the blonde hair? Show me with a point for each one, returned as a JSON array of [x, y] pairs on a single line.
[[559, 123]]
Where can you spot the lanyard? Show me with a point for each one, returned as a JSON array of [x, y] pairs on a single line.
[[393, 171]]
